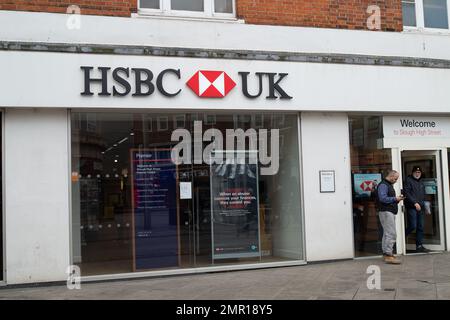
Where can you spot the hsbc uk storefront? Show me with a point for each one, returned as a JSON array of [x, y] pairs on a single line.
[[179, 190], [122, 160], [173, 165]]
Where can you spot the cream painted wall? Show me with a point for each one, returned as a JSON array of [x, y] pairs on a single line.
[[36, 195], [328, 216], [179, 33]]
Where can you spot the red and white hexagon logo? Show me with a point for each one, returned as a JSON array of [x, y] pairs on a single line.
[[367, 186], [211, 84]]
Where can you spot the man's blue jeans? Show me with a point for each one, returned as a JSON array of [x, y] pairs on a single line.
[[415, 222]]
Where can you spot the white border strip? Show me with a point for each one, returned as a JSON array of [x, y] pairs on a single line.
[[190, 271]]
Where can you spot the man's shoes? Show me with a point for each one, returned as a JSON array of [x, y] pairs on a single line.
[[389, 259], [422, 249]]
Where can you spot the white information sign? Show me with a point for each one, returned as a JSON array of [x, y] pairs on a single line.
[[185, 190], [327, 181]]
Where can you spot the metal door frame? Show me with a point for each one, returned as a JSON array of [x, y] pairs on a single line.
[[397, 163]]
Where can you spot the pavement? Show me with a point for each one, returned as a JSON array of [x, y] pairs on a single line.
[[424, 277]]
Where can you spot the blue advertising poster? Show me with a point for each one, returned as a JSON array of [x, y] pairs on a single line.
[[365, 183], [430, 185], [235, 218], [155, 209]]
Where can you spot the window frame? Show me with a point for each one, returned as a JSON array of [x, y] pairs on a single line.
[[420, 20], [165, 10]]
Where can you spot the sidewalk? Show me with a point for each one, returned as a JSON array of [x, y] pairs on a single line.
[[419, 277]]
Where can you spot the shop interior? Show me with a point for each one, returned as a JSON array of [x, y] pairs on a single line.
[[369, 164], [107, 226]]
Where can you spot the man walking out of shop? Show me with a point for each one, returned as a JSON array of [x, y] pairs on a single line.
[[387, 211], [415, 205]]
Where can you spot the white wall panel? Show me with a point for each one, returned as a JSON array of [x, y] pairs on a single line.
[[36, 195], [328, 216]]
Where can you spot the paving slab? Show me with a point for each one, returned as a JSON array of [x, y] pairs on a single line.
[[419, 277], [428, 293]]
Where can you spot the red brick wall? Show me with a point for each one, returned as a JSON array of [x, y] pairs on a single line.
[[342, 14], [122, 8]]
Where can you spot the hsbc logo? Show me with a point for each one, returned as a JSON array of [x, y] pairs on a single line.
[[141, 82], [368, 185], [211, 84]]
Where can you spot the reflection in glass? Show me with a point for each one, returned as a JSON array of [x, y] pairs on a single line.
[[435, 14], [369, 164], [188, 5], [223, 6], [126, 206], [409, 13], [150, 4]]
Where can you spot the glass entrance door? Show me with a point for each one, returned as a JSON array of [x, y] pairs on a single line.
[[195, 216], [220, 216], [431, 217]]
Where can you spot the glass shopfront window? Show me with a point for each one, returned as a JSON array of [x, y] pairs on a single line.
[[369, 164], [161, 191]]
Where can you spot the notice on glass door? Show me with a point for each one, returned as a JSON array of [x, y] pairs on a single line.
[[154, 209], [185, 190], [235, 218]]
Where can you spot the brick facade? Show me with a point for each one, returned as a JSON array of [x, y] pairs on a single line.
[[339, 14], [121, 8], [342, 14]]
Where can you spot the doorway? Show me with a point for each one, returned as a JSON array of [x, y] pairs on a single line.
[[433, 216], [195, 221], [217, 226]]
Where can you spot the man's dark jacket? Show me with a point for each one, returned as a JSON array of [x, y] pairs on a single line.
[[414, 192], [381, 206]]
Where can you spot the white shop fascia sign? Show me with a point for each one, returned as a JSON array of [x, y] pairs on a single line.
[[148, 82], [75, 80], [416, 132]]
